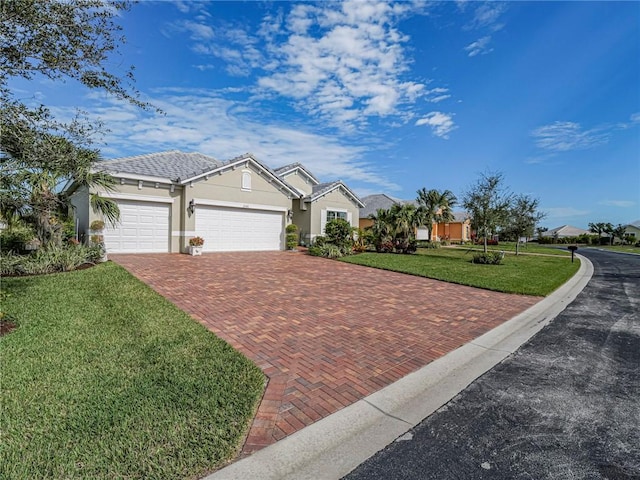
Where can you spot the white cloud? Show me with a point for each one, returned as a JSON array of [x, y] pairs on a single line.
[[618, 203], [201, 120], [565, 212], [565, 136], [488, 14], [441, 123], [479, 47], [341, 62]]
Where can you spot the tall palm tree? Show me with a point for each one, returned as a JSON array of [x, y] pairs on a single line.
[[436, 207]]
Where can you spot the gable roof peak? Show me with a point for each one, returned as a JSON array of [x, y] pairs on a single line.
[[292, 167]]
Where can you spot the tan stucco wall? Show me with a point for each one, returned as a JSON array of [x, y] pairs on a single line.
[[301, 182], [455, 231], [333, 200], [365, 222], [227, 187], [302, 218], [133, 192]]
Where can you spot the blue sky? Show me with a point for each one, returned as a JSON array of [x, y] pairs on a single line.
[[392, 97]]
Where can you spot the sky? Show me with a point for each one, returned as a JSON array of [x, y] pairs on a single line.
[[390, 97]]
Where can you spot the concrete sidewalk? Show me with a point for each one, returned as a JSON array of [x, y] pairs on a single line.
[[333, 446]]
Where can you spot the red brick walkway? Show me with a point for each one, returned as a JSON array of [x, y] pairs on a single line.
[[326, 333]]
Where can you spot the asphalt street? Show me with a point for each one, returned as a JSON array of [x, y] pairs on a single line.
[[566, 405]]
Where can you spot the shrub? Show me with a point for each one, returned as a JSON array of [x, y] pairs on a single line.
[[405, 245], [490, 241], [338, 232], [97, 225], [489, 258], [292, 236], [15, 238], [50, 260], [326, 250]]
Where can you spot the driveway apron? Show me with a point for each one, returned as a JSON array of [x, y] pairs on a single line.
[[325, 333]]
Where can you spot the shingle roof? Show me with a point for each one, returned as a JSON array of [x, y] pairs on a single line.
[[280, 171], [173, 164], [565, 231], [323, 188], [374, 202]]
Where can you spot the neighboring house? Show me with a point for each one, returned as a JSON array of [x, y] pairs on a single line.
[[168, 197], [633, 230], [372, 203], [318, 202], [565, 231], [458, 230]]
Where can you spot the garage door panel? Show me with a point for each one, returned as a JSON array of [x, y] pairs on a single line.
[[234, 229], [143, 228]]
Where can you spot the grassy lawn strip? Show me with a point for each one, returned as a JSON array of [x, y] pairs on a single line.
[[104, 378], [524, 274], [528, 248], [619, 248]]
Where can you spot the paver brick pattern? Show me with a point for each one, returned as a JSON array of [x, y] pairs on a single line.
[[325, 333]]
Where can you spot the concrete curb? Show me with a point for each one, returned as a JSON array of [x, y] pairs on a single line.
[[335, 445]]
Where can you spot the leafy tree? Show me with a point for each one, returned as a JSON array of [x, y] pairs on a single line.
[[58, 40], [435, 207], [489, 204], [599, 228], [34, 166], [540, 231], [523, 217], [619, 232]]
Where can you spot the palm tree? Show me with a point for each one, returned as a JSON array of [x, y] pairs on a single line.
[[406, 219], [33, 170], [436, 207], [382, 228], [600, 228]]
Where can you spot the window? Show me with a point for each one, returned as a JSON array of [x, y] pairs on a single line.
[[332, 215], [246, 181]]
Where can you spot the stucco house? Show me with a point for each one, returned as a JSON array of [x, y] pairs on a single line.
[[632, 231], [317, 202], [166, 198], [458, 230], [565, 231]]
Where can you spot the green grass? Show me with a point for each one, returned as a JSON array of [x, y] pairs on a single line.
[[528, 248], [524, 274], [104, 378], [619, 248]]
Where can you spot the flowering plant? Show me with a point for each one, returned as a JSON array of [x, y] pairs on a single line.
[[196, 242]]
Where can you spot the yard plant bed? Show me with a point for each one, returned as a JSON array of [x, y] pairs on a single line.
[[104, 378], [523, 274]]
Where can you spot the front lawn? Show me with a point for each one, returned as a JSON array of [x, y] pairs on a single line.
[[104, 378], [525, 274], [524, 248]]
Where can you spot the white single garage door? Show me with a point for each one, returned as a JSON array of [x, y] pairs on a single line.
[[143, 228], [227, 229], [422, 234]]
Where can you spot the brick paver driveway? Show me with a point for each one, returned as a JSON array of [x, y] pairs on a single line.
[[326, 333]]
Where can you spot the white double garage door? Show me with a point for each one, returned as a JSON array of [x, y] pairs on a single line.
[[145, 227]]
